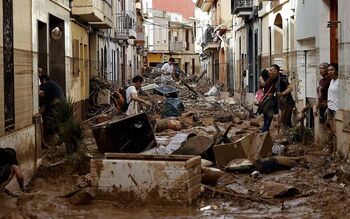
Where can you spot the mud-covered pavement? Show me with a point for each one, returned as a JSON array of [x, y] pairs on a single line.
[[321, 179], [235, 195], [318, 198]]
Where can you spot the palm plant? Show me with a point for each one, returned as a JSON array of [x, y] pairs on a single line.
[[63, 121]]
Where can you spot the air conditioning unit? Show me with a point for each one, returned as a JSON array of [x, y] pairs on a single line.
[[184, 44]]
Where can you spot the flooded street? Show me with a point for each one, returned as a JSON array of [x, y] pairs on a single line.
[[236, 196], [174, 109]]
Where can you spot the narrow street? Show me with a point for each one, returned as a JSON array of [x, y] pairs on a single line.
[[319, 177], [174, 109]]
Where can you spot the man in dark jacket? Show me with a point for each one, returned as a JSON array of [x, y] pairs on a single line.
[[285, 100], [51, 93], [9, 168]]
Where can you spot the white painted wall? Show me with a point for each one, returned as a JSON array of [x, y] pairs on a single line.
[[344, 53], [307, 17], [201, 19], [40, 11]]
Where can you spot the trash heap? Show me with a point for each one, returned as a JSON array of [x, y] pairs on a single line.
[[101, 98], [194, 117]]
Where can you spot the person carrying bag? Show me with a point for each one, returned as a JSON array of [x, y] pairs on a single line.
[[269, 104]]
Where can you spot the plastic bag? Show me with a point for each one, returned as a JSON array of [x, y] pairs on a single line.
[[259, 95]]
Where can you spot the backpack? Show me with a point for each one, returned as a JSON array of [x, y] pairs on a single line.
[[120, 99]]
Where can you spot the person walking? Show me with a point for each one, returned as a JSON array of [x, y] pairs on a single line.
[[268, 106], [286, 102], [168, 70]]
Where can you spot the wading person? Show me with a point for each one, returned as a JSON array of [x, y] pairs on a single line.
[[322, 93], [132, 98], [8, 169], [333, 99]]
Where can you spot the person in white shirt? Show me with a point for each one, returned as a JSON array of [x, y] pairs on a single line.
[[168, 70], [333, 96], [132, 98]]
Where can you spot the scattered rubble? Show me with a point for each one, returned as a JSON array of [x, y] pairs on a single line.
[[194, 119]]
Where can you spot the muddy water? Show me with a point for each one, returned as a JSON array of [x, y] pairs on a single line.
[[321, 198], [43, 201], [49, 207]]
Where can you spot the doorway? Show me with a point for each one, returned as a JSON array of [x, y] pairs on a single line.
[[42, 46], [187, 64], [57, 64]]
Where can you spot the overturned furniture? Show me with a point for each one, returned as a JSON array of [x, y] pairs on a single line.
[[133, 134], [156, 179]]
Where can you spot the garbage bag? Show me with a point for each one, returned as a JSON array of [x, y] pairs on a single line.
[[173, 107]]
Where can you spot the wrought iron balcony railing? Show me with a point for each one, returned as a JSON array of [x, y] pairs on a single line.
[[125, 23], [238, 5]]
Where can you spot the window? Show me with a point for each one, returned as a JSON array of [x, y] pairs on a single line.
[[187, 39]]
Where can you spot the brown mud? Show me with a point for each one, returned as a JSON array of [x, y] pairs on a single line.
[[234, 196], [318, 197]]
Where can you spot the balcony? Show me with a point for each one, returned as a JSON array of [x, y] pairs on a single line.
[[106, 23], [209, 40], [242, 8], [205, 5], [177, 46], [126, 26], [88, 10]]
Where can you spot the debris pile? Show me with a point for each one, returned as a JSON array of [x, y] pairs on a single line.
[[101, 99], [195, 118]]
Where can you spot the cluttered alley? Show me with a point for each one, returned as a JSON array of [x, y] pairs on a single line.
[[174, 109]]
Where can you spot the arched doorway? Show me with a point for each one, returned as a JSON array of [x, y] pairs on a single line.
[[222, 70], [278, 37]]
